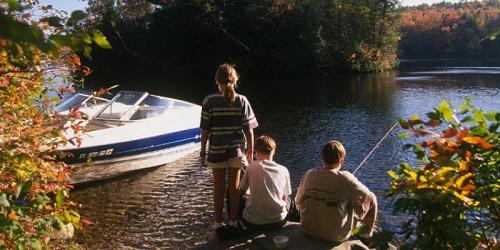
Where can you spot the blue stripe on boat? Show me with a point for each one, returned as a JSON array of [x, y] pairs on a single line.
[[135, 147]]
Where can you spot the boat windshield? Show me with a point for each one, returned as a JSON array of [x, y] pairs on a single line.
[[151, 106], [121, 105], [79, 99]]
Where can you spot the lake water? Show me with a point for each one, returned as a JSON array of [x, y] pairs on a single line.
[[171, 206]]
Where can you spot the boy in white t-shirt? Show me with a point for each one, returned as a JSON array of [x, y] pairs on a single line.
[[268, 186]]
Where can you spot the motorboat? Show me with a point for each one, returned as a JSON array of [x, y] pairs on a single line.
[[131, 131]]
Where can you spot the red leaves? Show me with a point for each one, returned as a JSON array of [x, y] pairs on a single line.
[[75, 59], [62, 177], [450, 132], [433, 123], [12, 215], [76, 141], [478, 141], [463, 132], [86, 71], [86, 222], [406, 124], [462, 166], [61, 90], [468, 155], [29, 131], [5, 81], [31, 231], [77, 128], [428, 143], [457, 153], [424, 132], [101, 92], [473, 139], [50, 187]]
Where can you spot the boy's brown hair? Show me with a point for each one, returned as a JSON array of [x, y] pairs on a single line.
[[265, 144], [332, 152]]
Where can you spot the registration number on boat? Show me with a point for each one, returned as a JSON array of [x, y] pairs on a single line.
[[96, 153]]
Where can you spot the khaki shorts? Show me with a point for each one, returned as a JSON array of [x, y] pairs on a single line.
[[235, 162]]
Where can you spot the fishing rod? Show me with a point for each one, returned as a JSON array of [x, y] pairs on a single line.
[[369, 154], [375, 148]]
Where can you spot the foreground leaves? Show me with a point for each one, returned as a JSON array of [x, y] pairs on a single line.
[[34, 192], [454, 190]]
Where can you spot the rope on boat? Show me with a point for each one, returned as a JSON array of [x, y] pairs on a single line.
[[375, 148]]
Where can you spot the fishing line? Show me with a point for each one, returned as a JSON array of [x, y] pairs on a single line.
[[124, 43], [234, 38], [224, 10], [375, 148]]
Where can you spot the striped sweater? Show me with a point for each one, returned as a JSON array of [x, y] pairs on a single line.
[[226, 125]]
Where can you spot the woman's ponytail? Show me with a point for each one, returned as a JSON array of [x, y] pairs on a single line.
[[226, 75], [230, 93]]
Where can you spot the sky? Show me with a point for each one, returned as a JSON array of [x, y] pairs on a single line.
[[429, 2], [67, 5], [71, 5]]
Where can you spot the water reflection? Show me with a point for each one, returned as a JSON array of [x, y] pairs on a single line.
[[413, 78], [170, 206], [460, 70], [167, 207]]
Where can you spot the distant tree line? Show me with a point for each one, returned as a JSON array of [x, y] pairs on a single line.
[[263, 36], [446, 30]]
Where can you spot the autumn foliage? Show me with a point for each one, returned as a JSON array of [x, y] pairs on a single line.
[[34, 55], [453, 190], [460, 30]]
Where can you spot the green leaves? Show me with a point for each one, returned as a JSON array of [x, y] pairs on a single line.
[[52, 21], [36, 244], [19, 32], [76, 16], [100, 39], [86, 38], [60, 197], [454, 180], [341, 29], [466, 106], [23, 188], [393, 174], [62, 40], [4, 201], [33, 183], [14, 5], [479, 117], [361, 230], [445, 109], [404, 136]]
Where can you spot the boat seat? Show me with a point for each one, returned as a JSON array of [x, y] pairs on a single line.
[[102, 124]]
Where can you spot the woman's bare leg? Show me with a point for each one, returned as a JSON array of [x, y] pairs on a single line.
[[219, 187], [234, 196]]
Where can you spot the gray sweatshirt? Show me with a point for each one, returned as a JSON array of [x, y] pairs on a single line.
[[332, 203]]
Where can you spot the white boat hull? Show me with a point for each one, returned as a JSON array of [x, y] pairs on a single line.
[[109, 168]]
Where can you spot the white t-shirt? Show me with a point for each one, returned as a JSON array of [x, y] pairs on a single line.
[[268, 183]]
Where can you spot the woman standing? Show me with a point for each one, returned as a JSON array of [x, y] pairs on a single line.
[[227, 121]]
